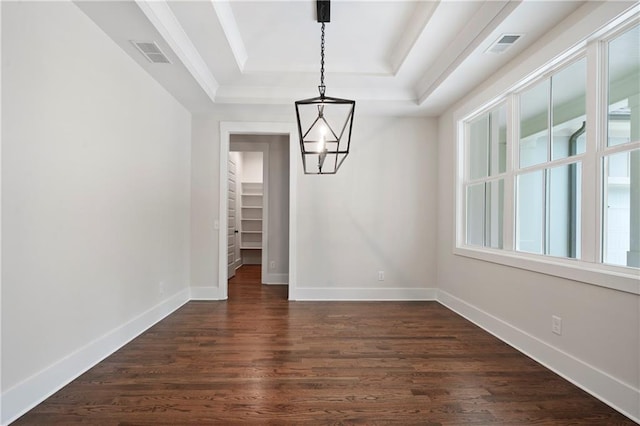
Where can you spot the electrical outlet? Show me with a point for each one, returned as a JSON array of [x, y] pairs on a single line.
[[161, 287], [272, 264], [380, 275], [556, 325]]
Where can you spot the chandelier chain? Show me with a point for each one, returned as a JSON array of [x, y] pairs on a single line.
[[322, 86]]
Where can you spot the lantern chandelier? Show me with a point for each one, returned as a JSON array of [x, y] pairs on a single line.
[[324, 123]]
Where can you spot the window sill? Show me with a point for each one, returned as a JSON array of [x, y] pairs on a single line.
[[612, 277]]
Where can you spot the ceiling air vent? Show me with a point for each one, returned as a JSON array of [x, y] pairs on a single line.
[[152, 52], [504, 42]]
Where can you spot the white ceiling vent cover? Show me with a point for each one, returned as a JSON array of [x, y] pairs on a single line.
[[151, 51], [504, 42]]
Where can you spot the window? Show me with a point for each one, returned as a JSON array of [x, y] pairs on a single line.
[[623, 86], [552, 129], [552, 178], [485, 188], [620, 161], [620, 213]]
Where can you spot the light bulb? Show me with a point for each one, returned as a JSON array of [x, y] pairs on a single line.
[[321, 144]]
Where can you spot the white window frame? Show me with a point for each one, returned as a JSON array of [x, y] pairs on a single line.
[[589, 268], [490, 178], [603, 150], [550, 163]]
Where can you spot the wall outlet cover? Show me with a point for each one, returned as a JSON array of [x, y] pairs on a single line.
[[556, 325]]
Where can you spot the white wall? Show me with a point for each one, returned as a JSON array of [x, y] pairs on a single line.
[[95, 199], [278, 208], [205, 193], [1, 415], [599, 348], [377, 214], [252, 171]]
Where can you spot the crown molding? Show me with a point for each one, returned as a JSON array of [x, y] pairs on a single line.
[[412, 32], [231, 31], [162, 18], [490, 15]]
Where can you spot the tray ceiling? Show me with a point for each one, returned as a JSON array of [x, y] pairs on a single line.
[[403, 57]]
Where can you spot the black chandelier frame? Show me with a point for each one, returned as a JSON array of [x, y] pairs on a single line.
[[313, 146]]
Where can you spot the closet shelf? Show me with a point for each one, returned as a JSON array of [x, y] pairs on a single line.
[[251, 202]]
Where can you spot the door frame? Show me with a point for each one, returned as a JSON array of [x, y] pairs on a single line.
[[257, 128]]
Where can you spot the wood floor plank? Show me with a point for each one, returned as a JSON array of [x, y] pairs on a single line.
[[259, 359]]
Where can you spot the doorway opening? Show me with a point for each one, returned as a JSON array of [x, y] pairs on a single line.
[[257, 205], [246, 212]]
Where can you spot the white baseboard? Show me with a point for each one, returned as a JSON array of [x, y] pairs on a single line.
[[205, 293], [365, 294], [22, 397], [276, 279], [606, 388]]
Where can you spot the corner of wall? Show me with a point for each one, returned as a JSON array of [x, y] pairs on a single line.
[[24, 396], [589, 378], [206, 293]]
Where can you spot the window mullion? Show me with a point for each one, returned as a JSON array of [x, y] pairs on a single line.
[[508, 225], [462, 155], [550, 122], [546, 201], [592, 162]]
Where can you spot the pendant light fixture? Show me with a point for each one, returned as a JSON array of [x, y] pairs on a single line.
[[324, 123]]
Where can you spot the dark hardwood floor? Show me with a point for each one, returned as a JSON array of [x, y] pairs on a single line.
[[258, 359]]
